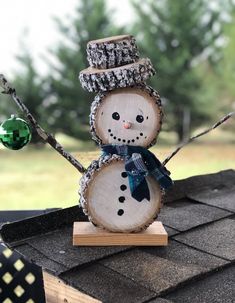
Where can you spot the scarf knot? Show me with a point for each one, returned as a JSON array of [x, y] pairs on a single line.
[[140, 163]]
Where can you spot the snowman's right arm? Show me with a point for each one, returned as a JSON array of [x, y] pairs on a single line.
[[41, 132]]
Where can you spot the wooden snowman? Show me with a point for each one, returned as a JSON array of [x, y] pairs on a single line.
[[122, 190]]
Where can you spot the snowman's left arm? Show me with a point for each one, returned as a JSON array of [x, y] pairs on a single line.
[[191, 139]]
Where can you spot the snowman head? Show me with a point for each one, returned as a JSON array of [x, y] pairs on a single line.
[[131, 116]]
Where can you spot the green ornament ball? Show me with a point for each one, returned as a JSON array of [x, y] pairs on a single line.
[[15, 133]]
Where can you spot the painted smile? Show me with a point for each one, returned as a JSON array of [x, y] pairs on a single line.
[[125, 140]]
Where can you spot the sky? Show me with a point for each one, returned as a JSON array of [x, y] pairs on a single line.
[[37, 17]]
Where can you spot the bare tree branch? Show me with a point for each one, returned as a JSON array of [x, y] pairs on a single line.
[[41, 132], [221, 121]]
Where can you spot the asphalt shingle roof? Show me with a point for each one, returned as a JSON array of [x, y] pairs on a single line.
[[196, 266]]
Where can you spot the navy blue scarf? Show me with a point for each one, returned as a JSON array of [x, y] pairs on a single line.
[[139, 163]]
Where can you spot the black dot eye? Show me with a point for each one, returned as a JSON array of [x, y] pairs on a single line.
[[116, 116], [139, 118]]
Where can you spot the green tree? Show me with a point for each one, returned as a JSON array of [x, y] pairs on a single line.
[[30, 88], [178, 36], [227, 66], [69, 107], [223, 76]]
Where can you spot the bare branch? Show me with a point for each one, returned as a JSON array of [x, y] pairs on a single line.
[[221, 121], [41, 132]]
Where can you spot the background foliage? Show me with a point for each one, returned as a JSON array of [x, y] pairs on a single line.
[[191, 44], [179, 37]]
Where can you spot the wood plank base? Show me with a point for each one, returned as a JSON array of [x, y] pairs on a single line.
[[56, 291], [86, 234]]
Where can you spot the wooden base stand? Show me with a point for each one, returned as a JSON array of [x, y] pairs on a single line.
[[85, 234]]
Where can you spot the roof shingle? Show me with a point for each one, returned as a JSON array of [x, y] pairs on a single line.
[[218, 287], [185, 214], [198, 215], [218, 238], [220, 196]]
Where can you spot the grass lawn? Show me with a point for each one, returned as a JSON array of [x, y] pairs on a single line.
[[34, 179]]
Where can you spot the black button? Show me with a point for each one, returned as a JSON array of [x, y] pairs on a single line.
[[123, 187], [120, 212], [121, 199]]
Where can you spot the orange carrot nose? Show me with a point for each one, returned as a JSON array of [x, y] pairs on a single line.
[[127, 125]]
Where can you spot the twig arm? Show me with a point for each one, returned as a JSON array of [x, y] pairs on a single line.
[[41, 132], [221, 121]]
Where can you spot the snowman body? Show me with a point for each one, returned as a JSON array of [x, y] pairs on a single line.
[[108, 202], [125, 112]]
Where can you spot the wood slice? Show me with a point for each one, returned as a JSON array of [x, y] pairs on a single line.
[[138, 107], [95, 80], [106, 197], [112, 51]]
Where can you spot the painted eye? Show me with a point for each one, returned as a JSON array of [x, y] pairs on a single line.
[[116, 116], [139, 118]]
